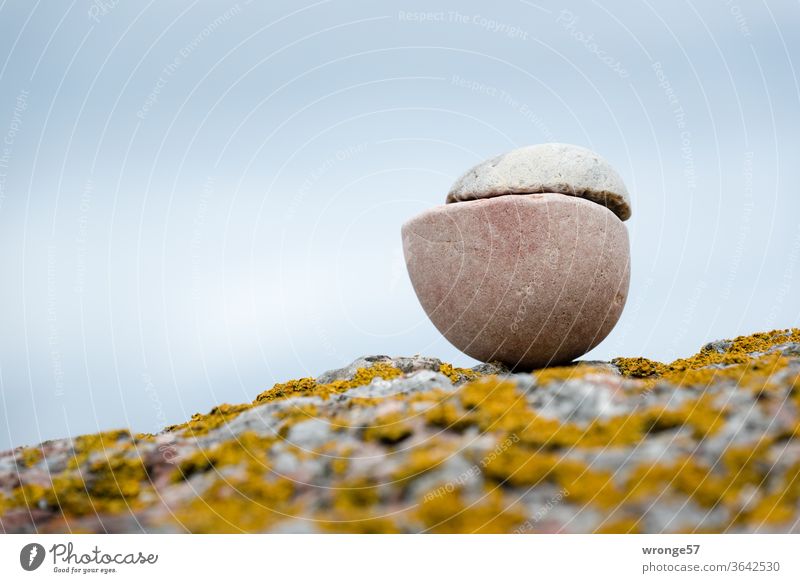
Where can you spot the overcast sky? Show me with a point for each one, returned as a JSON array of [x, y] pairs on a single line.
[[198, 200]]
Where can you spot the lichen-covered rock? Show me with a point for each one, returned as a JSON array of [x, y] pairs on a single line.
[[709, 443]]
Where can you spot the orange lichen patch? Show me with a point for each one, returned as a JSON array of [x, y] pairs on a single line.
[[422, 459], [99, 441], [616, 431], [701, 415], [639, 367], [794, 387], [747, 464], [487, 390], [771, 509], [449, 415], [457, 375], [28, 456], [740, 348], [565, 373], [365, 376], [352, 509], [780, 505], [753, 373], [109, 485], [339, 465], [354, 494], [248, 448], [496, 404], [27, 496], [294, 388], [389, 429], [628, 525], [112, 485], [739, 467], [359, 522], [450, 513], [694, 370], [235, 506], [547, 433], [360, 402], [435, 395], [308, 386], [520, 466], [295, 415], [553, 434], [84, 446], [301, 412], [201, 424], [595, 488]]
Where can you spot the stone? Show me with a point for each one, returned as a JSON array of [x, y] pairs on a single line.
[[529, 280], [562, 168], [528, 262]]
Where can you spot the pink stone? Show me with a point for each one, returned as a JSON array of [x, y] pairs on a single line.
[[531, 280]]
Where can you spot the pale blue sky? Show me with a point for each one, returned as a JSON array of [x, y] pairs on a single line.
[[198, 200]]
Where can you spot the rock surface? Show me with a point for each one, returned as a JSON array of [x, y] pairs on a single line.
[[529, 280], [709, 443], [562, 168]]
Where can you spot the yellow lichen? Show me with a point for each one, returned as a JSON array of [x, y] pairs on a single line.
[[451, 513], [695, 369], [29, 496], [521, 466], [309, 387], [701, 415], [294, 388], [239, 491], [639, 367], [780, 505], [351, 509], [565, 373], [595, 488], [339, 465], [238, 506], [708, 486], [201, 424], [422, 459], [448, 415], [248, 448], [627, 525], [456, 374], [108, 485], [389, 429], [355, 494], [85, 445], [29, 456]]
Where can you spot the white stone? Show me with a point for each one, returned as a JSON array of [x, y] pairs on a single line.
[[559, 168]]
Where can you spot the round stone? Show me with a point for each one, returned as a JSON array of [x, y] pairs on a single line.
[[531, 280], [561, 168]]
